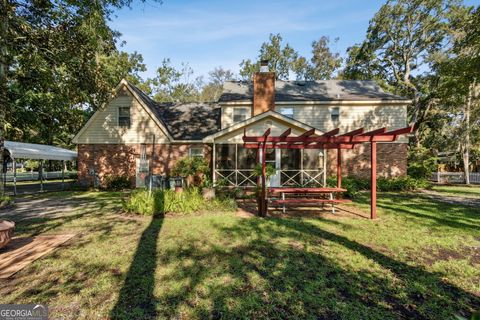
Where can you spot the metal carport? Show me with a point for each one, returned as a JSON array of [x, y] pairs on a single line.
[[15, 150]]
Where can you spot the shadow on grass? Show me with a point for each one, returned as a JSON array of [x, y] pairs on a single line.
[[136, 299], [285, 268], [429, 212]]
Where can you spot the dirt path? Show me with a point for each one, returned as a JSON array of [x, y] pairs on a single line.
[[466, 201]]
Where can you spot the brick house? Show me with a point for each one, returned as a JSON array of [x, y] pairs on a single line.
[[133, 134]]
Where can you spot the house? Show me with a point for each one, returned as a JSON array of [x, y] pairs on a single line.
[[132, 133]]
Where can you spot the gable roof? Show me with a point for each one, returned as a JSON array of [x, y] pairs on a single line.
[[184, 121], [322, 90], [249, 121]]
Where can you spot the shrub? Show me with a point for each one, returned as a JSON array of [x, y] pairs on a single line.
[[144, 203], [195, 167], [5, 201], [117, 183], [355, 185], [269, 170], [186, 202], [421, 163]]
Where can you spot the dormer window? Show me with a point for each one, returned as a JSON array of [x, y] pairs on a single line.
[[124, 117], [335, 114], [240, 114], [287, 111]]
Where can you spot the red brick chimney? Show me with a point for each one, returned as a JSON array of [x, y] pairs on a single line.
[[263, 89]]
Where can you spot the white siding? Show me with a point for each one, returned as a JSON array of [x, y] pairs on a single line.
[[351, 116], [258, 128], [103, 128], [227, 115]]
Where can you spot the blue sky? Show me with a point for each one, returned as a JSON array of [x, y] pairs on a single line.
[[207, 34]]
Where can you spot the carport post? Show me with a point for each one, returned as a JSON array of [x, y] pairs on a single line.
[[40, 175], [63, 174], [14, 177], [373, 176]]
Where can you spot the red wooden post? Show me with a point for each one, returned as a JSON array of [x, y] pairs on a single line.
[[263, 204], [339, 168], [373, 167]]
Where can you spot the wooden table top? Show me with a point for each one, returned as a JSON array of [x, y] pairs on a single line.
[[306, 190]]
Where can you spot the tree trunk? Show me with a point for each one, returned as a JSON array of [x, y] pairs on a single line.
[[466, 142], [3, 81]]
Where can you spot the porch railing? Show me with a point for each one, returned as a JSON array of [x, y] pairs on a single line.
[[288, 177]]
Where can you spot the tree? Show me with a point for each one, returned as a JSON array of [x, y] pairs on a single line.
[[281, 59], [459, 89], [213, 89], [324, 62], [50, 55], [175, 85], [401, 39]]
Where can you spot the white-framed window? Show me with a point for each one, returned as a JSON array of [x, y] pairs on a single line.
[[335, 114], [287, 111], [240, 114], [124, 117], [195, 152]]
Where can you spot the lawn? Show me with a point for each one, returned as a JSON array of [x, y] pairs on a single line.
[[420, 259], [463, 191]]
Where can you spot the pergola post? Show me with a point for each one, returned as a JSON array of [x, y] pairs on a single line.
[[263, 209], [339, 168], [14, 177], [373, 192]]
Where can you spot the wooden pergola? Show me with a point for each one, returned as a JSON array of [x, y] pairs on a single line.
[[328, 140]]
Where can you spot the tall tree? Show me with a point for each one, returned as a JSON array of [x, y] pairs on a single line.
[[50, 53], [175, 84], [458, 69], [324, 62], [213, 89], [281, 59], [401, 39]]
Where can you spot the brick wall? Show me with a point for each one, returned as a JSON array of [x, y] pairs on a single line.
[[391, 160], [119, 159]]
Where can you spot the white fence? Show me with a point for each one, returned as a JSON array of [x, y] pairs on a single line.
[[33, 176], [455, 177]]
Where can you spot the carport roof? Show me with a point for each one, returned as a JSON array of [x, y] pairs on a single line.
[[38, 151]]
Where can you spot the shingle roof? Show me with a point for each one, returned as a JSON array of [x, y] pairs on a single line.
[[323, 90], [184, 121]]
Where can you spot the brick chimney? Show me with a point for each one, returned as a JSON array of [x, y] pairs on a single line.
[[263, 89]]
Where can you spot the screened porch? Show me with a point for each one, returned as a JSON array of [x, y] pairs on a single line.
[[234, 166]]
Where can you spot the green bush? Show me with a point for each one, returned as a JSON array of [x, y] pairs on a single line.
[[163, 201], [117, 183], [5, 201], [196, 167], [144, 203], [355, 185], [421, 163]]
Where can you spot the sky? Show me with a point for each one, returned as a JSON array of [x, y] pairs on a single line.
[[207, 34]]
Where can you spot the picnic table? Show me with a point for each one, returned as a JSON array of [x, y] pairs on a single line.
[[304, 196]]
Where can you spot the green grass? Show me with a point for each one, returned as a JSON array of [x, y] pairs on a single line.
[[464, 191], [420, 259]]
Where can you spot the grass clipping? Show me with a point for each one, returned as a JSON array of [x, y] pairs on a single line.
[[159, 202]]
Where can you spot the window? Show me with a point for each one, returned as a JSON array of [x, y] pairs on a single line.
[[287, 111], [124, 117], [196, 152], [240, 114], [335, 114]]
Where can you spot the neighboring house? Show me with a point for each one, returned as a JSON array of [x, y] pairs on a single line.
[[132, 133]]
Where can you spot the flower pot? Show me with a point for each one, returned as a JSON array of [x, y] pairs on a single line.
[[208, 193], [6, 232]]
